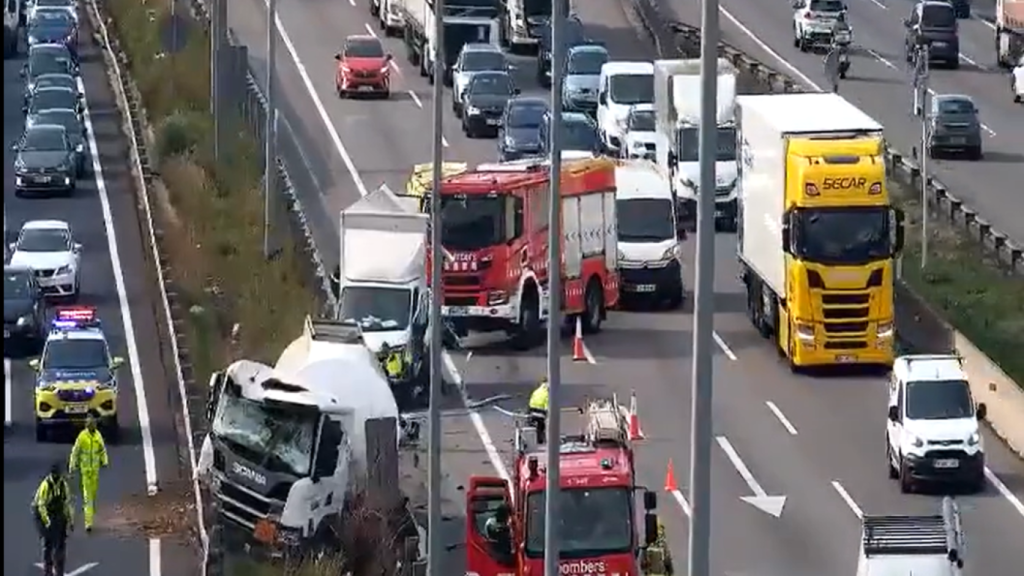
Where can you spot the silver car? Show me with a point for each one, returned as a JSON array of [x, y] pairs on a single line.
[[582, 77], [473, 59]]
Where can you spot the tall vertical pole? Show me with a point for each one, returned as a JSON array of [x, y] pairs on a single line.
[[270, 133], [925, 117], [435, 547], [216, 25], [552, 518], [703, 314]]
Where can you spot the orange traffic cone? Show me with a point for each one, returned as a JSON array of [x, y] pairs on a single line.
[[579, 354], [635, 433], [670, 478]]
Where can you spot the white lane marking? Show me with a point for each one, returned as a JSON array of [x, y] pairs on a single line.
[[77, 571], [768, 50], [881, 59], [782, 417], [352, 2], [7, 393], [847, 498], [148, 454], [444, 141], [985, 22], [478, 423], [968, 59], [725, 347], [370, 31], [879, 4], [394, 66], [771, 505], [416, 99], [319, 105], [990, 131], [681, 500], [155, 563], [1005, 491], [588, 355]]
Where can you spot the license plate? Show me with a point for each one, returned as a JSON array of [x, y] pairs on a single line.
[[366, 88], [456, 311], [945, 464], [641, 288], [42, 179], [846, 358], [958, 140], [492, 121], [76, 408]]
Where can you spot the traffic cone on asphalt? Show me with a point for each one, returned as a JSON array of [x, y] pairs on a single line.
[[579, 354], [635, 433], [670, 478]]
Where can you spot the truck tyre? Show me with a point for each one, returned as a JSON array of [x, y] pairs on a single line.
[[906, 484], [593, 307], [527, 334], [894, 473]]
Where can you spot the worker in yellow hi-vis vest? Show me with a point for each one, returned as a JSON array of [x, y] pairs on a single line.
[[87, 457], [538, 409]]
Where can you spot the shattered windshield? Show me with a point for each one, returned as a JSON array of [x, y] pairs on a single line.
[[592, 521], [282, 438], [376, 308], [472, 223]]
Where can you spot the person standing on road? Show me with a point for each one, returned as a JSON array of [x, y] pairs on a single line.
[[54, 518], [88, 456], [538, 409]]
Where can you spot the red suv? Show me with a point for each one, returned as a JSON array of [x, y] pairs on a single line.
[[363, 66]]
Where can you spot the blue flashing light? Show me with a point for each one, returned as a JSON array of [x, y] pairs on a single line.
[[75, 317]]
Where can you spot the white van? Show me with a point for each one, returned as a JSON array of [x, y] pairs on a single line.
[[649, 235], [622, 85]]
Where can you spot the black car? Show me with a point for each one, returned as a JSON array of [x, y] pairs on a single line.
[[24, 308], [53, 26], [55, 98], [45, 161], [573, 33], [52, 81], [955, 128], [933, 25], [520, 135], [74, 128], [579, 134], [48, 59], [484, 102]]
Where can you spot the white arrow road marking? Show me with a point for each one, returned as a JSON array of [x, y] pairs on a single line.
[[768, 504], [77, 572]]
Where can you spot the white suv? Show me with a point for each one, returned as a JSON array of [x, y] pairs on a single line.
[[813, 22], [1017, 81], [932, 433]]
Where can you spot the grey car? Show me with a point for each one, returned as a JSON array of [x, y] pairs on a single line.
[[473, 59], [73, 127], [53, 98], [48, 59], [45, 161], [582, 77], [955, 127], [52, 81]]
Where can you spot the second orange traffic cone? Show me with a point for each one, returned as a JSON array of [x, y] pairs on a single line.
[[670, 478], [635, 433], [579, 354]]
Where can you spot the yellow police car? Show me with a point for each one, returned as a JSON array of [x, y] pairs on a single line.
[[76, 376], [422, 178]]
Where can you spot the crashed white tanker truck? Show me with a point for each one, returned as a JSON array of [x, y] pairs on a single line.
[[286, 452]]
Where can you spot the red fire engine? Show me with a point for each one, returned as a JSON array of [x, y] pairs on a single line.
[[494, 227], [599, 536]]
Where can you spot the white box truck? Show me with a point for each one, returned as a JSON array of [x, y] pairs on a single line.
[[677, 105], [1009, 30], [465, 21]]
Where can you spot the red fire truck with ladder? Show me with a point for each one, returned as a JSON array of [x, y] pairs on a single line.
[[598, 515], [494, 229]]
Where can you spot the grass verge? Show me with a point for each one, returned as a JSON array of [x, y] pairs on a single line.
[[964, 283], [210, 215]]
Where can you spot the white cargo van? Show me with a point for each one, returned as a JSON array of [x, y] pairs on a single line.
[[622, 86]]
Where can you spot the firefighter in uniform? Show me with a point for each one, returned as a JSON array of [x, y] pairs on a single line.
[[538, 409], [657, 560], [54, 518], [87, 457]]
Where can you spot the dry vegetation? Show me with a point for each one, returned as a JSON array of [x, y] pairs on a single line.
[[965, 284], [210, 215]]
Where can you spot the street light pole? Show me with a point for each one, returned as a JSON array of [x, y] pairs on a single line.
[[270, 133], [703, 314]]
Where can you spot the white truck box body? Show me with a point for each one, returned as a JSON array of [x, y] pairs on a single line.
[[1010, 14], [765, 123], [417, 12], [381, 241], [680, 80]]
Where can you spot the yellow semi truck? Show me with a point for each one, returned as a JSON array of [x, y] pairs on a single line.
[[818, 234]]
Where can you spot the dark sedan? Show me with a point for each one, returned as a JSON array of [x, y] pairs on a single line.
[[53, 26], [74, 128], [484, 102], [956, 128], [24, 309], [520, 133], [45, 161], [52, 99], [48, 59], [52, 81]]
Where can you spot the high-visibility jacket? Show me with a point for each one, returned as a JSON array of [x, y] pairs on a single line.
[[89, 453], [394, 365], [53, 500], [539, 398]]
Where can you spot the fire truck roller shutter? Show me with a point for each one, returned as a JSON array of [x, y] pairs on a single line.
[[572, 251], [611, 232]]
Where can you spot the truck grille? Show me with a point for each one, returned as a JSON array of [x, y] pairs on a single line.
[[846, 327], [830, 299], [240, 505], [846, 344], [460, 300]]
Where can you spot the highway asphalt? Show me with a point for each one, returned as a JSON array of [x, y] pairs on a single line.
[[819, 442], [879, 82], [103, 218]]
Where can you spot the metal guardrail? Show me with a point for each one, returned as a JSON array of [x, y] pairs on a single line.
[[675, 38]]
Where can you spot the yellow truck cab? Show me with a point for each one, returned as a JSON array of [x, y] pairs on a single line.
[[422, 178], [818, 233]]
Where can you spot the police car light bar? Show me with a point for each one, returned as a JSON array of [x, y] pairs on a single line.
[[75, 317]]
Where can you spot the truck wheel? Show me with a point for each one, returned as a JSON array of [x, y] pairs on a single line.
[[593, 311], [894, 473], [527, 333]]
